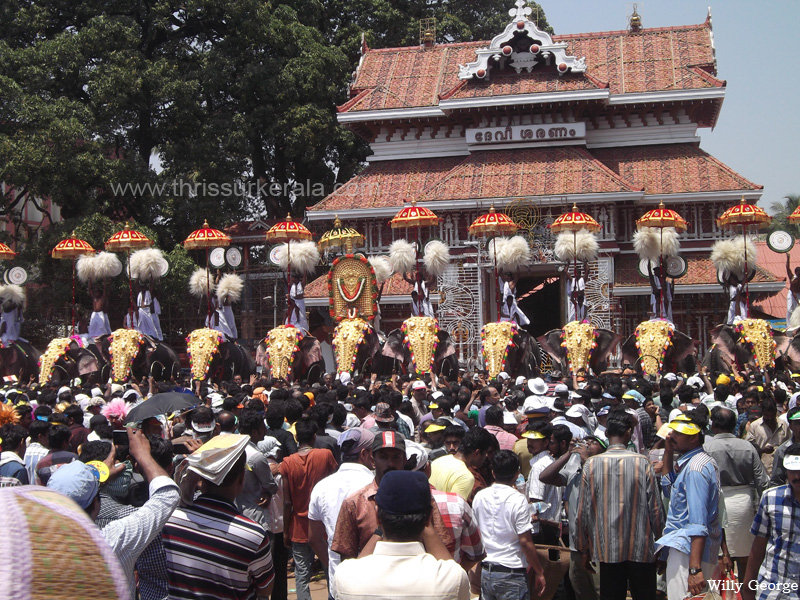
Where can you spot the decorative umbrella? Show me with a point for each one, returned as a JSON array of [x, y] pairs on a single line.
[[71, 249], [286, 231], [661, 218], [340, 237], [574, 221], [127, 240], [745, 214], [416, 217], [6, 253], [205, 239], [795, 216], [493, 224]]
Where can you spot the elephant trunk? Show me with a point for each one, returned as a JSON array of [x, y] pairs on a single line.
[[497, 339], [348, 337], [124, 346], [421, 337], [202, 345], [282, 345]]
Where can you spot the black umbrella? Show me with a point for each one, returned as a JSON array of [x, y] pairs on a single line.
[[161, 404]]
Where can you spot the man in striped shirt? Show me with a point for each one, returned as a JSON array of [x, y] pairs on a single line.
[[620, 515], [213, 551]]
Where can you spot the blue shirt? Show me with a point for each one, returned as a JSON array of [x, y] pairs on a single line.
[[693, 492], [778, 520]]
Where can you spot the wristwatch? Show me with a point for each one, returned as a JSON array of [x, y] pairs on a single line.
[[695, 571]]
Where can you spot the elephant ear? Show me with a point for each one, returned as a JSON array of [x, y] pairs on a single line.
[[782, 342], [311, 350], [606, 342], [551, 342], [793, 350], [726, 340], [683, 346], [87, 363], [261, 355], [630, 353], [393, 347], [445, 348]]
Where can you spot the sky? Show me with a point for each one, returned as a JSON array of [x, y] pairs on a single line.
[[757, 48]]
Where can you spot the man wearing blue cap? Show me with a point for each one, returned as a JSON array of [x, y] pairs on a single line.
[[400, 567]]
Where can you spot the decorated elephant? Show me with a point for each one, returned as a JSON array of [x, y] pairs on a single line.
[[421, 347], [133, 354], [290, 353], [750, 343], [580, 346], [355, 343], [656, 346], [507, 347], [20, 359], [66, 359], [213, 356]]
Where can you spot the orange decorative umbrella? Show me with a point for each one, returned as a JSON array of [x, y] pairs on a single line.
[[574, 221], [795, 216], [340, 237], [286, 231], [6, 253], [206, 238], [416, 217], [493, 224], [744, 214], [71, 249], [127, 240]]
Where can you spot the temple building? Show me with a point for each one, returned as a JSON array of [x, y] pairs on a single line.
[[532, 124]]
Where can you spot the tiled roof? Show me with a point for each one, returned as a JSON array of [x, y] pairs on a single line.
[[526, 172], [662, 59], [388, 183], [671, 169], [394, 286]]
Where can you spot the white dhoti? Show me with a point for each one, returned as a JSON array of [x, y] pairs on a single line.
[[146, 324], [225, 322], [99, 325], [740, 506], [157, 319], [13, 326]]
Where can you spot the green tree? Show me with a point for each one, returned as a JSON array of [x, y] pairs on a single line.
[[780, 215]]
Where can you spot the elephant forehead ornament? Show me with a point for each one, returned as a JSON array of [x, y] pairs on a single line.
[[496, 340], [352, 289], [757, 335], [653, 339], [579, 339], [282, 346], [347, 338], [202, 345], [123, 348], [421, 337], [55, 350]]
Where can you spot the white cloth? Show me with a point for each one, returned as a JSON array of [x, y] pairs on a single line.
[[327, 498], [579, 286], [400, 570], [549, 494], [512, 313], [427, 307], [226, 323], [677, 575], [733, 291], [157, 319], [146, 325], [740, 508], [298, 317], [99, 325], [503, 514], [792, 302], [13, 321]]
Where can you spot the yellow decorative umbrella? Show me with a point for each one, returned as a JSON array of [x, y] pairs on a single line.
[[340, 237], [6, 253]]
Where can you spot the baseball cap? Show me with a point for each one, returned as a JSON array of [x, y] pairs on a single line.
[[519, 380], [603, 411], [533, 435], [416, 453], [418, 385], [599, 440], [203, 427], [634, 395], [535, 406], [383, 413], [77, 481], [794, 417], [355, 440], [695, 382], [791, 462], [404, 493], [434, 427], [560, 388], [388, 439], [682, 424], [502, 376], [63, 390], [723, 379]]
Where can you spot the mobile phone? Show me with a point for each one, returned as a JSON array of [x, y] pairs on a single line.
[[259, 369], [120, 437]]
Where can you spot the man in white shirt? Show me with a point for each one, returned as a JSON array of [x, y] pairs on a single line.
[[545, 499], [329, 494], [504, 519], [410, 561]]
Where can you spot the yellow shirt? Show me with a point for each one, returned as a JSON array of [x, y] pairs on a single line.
[[448, 474]]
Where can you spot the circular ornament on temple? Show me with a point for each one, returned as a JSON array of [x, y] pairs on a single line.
[[780, 241], [535, 48], [562, 67], [507, 50], [481, 73]]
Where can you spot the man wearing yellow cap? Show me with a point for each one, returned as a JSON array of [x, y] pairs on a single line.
[[692, 534]]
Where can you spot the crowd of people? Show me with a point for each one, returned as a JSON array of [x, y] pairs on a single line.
[[506, 488]]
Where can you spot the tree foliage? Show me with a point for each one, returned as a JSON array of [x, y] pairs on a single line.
[[780, 213]]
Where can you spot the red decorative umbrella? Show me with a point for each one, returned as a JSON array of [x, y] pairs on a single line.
[[661, 218], [6, 253], [127, 240], [745, 214], [285, 232], [493, 224], [71, 249], [205, 239], [574, 221], [416, 217], [795, 216]]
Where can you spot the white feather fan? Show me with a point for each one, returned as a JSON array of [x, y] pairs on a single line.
[[382, 268], [437, 257], [497, 249], [652, 242], [403, 256], [513, 253], [199, 283], [728, 255], [107, 265], [86, 268], [670, 243], [148, 264], [752, 253], [12, 292], [305, 256], [230, 285], [582, 246]]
